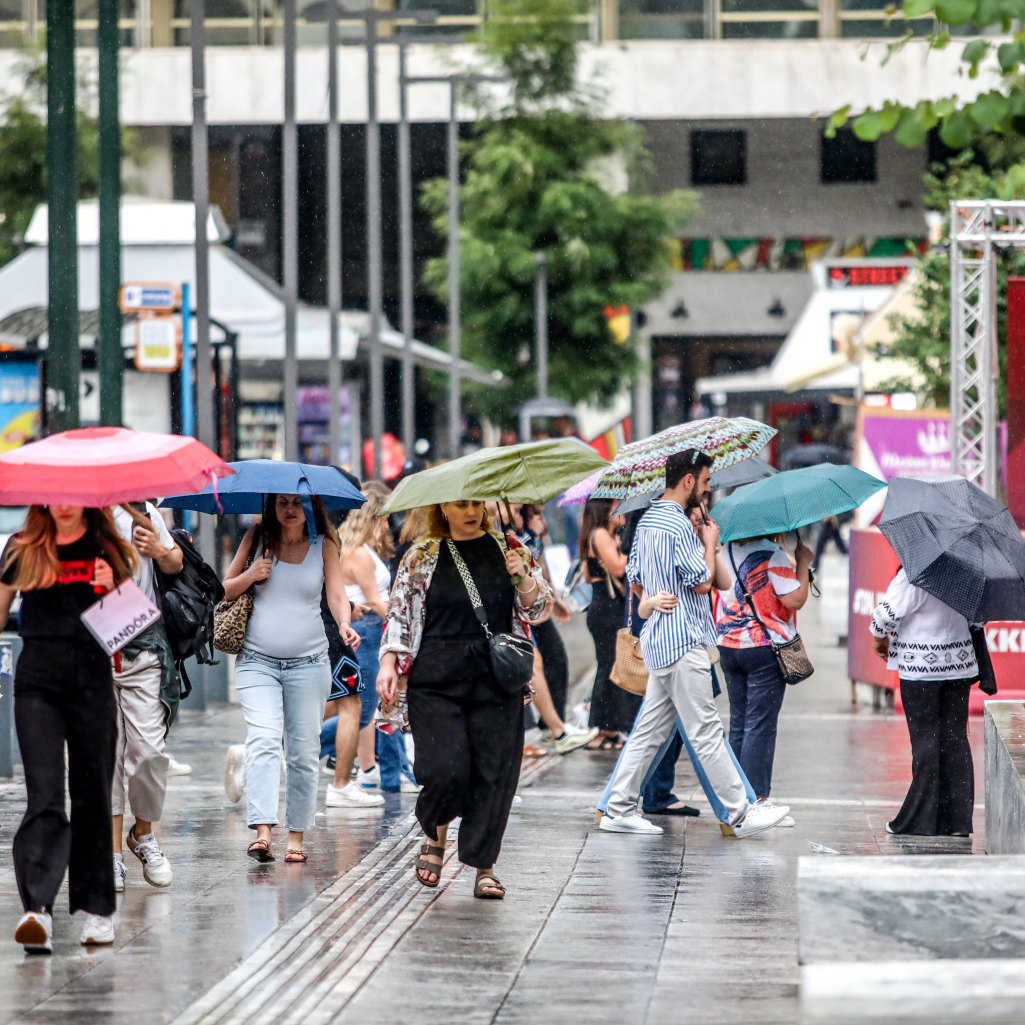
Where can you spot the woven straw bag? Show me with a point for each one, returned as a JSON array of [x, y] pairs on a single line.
[[629, 671]]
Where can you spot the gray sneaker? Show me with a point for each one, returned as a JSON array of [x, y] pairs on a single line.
[[119, 873]]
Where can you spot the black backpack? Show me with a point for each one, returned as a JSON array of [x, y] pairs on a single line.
[[187, 602]]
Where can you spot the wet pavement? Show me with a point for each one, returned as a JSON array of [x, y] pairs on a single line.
[[688, 926]]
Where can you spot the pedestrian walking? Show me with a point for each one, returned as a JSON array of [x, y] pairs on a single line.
[[467, 729], [147, 689], [668, 556], [613, 710], [757, 610], [283, 672], [829, 530], [929, 645], [61, 561]]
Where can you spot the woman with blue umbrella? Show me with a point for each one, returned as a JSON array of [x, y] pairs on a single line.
[[283, 670]]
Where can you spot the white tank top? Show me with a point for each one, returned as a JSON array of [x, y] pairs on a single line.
[[381, 577], [285, 621]]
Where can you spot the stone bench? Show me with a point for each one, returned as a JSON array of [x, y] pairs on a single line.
[[907, 909], [1005, 768]]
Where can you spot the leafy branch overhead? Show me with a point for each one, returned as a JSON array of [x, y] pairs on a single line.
[[997, 112]]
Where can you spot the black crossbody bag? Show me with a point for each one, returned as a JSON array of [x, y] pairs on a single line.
[[791, 657], [511, 657]]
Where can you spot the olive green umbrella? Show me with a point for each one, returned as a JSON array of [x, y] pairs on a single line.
[[533, 472]]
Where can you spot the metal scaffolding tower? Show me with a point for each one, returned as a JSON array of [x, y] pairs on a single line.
[[978, 230]]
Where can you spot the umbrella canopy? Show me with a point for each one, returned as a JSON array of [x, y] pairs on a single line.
[[747, 471], [580, 493], [812, 455], [640, 467], [98, 466], [793, 499], [957, 543], [532, 472], [256, 478]]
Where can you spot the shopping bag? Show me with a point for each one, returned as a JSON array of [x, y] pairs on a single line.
[[119, 616]]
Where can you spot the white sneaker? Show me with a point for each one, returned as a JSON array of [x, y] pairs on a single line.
[[351, 796], [517, 800], [370, 778], [407, 786], [119, 873], [572, 738], [97, 930], [176, 768], [787, 823], [35, 932], [759, 818], [235, 773], [155, 867], [627, 824]]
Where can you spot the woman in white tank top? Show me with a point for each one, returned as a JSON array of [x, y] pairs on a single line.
[[283, 672]]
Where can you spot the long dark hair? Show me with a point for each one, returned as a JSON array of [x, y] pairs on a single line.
[[597, 513], [268, 532]]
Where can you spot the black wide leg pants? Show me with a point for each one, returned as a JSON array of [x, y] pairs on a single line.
[[63, 692], [941, 798], [469, 745]]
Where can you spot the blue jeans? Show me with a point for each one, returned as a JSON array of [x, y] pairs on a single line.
[[756, 688], [658, 794], [282, 700]]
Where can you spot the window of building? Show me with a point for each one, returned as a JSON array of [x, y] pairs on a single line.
[[718, 157], [661, 19], [845, 158]]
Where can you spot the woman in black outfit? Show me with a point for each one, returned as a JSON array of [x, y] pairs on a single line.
[[613, 709], [468, 731], [61, 561]]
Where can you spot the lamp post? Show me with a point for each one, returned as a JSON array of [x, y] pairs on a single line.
[[290, 226], [541, 322], [334, 237]]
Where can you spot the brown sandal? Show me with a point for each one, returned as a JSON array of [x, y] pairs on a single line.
[[488, 881], [423, 865], [260, 851], [295, 857]]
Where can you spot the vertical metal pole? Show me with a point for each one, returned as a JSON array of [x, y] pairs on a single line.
[[956, 342], [334, 236], [188, 410], [989, 367], [110, 356], [541, 322], [374, 247], [290, 247], [406, 260], [454, 406], [64, 358]]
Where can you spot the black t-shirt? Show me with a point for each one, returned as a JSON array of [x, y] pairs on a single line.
[[449, 609], [55, 611]]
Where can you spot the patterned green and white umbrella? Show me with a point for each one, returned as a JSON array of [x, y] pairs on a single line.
[[640, 467]]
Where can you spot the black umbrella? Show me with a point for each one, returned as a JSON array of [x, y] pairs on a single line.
[[812, 455], [957, 543]]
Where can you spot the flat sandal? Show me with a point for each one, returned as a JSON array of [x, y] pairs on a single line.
[[488, 881], [423, 865], [260, 851]]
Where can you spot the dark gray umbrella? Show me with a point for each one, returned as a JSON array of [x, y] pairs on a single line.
[[957, 543], [747, 471], [812, 455]]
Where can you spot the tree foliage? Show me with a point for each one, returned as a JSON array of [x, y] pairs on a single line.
[[533, 182]]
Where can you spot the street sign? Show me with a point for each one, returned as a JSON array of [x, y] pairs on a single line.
[[157, 343], [148, 296]]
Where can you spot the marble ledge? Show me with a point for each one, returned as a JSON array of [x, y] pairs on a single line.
[[1005, 776]]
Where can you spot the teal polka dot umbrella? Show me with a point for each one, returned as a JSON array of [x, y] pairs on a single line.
[[640, 467]]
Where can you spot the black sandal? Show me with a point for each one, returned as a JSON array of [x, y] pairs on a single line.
[[260, 851], [488, 881], [423, 865]]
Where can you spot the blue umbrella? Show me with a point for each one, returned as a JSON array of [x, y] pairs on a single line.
[[793, 499], [254, 479]]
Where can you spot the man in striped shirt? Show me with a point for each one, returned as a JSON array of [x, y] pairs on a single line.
[[669, 556]]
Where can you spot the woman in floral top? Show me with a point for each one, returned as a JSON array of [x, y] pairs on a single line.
[[468, 731]]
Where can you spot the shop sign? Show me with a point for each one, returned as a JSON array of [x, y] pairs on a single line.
[[157, 343], [148, 296]]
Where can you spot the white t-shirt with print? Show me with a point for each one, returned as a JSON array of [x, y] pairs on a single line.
[[144, 571]]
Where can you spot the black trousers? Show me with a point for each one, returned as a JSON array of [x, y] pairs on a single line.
[[63, 692], [612, 708], [555, 661], [469, 744], [942, 794]]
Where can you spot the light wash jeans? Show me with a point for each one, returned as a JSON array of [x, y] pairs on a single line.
[[282, 699]]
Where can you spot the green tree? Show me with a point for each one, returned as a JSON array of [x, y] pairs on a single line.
[[533, 182], [23, 152], [923, 339]]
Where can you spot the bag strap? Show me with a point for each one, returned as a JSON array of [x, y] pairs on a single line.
[[747, 596], [471, 587]]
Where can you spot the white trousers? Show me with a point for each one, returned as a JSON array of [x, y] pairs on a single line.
[[682, 689], [140, 761]]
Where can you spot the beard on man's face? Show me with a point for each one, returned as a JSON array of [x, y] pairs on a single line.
[[693, 501]]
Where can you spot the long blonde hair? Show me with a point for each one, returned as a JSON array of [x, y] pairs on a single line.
[[33, 550], [362, 525]]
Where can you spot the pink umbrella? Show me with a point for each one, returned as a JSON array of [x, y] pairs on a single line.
[[580, 493], [98, 466]]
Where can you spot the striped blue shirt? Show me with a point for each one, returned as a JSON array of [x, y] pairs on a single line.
[[668, 556]]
